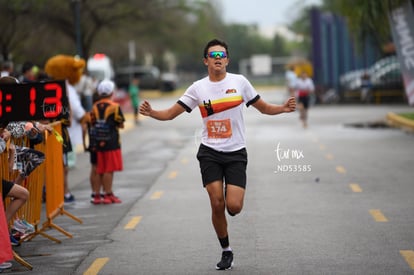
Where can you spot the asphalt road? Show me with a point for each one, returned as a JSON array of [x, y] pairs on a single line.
[[330, 199]]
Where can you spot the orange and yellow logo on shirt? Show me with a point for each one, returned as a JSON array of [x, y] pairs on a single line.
[[216, 106]]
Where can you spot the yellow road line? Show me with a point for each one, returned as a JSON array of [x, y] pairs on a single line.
[[408, 255], [355, 187], [156, 195], [340, 169], [133, 222], [96, 266], [172, 175], [322, 147], [184, 161], [377, 215], [329, 156]]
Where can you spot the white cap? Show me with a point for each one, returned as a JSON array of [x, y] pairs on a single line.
[[105, 87]]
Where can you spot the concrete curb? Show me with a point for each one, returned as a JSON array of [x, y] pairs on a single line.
[[398, 121]]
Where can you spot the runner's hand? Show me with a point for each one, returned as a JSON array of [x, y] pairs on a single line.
[[145, 108], [290, 105]]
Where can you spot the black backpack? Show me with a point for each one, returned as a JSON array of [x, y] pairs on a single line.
[[101, 132]]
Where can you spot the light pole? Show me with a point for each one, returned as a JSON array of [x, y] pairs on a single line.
[[76, 12]]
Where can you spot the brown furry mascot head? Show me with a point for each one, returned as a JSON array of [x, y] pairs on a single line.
[[62, 67]]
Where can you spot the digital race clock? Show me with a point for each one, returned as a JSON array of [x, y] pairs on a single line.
[[33, 101]]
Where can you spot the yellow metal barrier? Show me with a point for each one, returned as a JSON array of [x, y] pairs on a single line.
[[54, 172], [49, 174]]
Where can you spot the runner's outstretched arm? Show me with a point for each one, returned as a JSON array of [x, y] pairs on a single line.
[[166, 114], [273, 109]]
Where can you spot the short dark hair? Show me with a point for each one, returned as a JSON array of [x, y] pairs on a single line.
[[215, 42], [27, 66]]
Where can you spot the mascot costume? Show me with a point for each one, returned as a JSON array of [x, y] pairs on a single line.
[[69, 68]]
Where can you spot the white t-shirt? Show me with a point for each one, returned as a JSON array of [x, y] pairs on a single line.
[[304, 86], [221, 107], [75, 129]]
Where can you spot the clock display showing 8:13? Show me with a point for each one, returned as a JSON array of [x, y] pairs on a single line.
[[33, 101]]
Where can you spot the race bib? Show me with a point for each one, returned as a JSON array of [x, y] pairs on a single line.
[[219, 128]]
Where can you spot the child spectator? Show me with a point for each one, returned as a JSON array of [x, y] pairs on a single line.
[[107, 119]]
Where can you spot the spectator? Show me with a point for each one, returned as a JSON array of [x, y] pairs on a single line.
[[133, 91], [28, 72], [108, 119], [7, 69], [290, 77], [85, 88], [69, 68], [304, 87]]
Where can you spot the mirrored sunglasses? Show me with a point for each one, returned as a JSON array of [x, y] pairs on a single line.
[[216, 54]]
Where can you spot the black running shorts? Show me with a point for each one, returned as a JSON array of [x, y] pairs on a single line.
[[227, 166], [7, 186], [305, 101]]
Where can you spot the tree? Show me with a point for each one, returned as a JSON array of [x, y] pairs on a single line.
[[95, 16], [16, 25], [103, 23], [302, 27], [366, 19], [278, 47], [38, 29]]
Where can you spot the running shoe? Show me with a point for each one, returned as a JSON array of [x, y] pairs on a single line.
[[5, 265], [97, 199], [13, 241], [106, 199], [226, 262], [112, 198], [30, 227], [69, 199], [23, 226], [17, 235], [17, 226], [93, 197]]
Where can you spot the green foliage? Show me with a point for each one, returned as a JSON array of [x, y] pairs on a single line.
[[408, 115], [35, 30]]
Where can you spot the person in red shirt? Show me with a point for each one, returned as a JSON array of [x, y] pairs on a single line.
[[304, 88]]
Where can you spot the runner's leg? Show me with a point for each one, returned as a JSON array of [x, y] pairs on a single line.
[[218, 216], [234, 199], [20, 196]]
